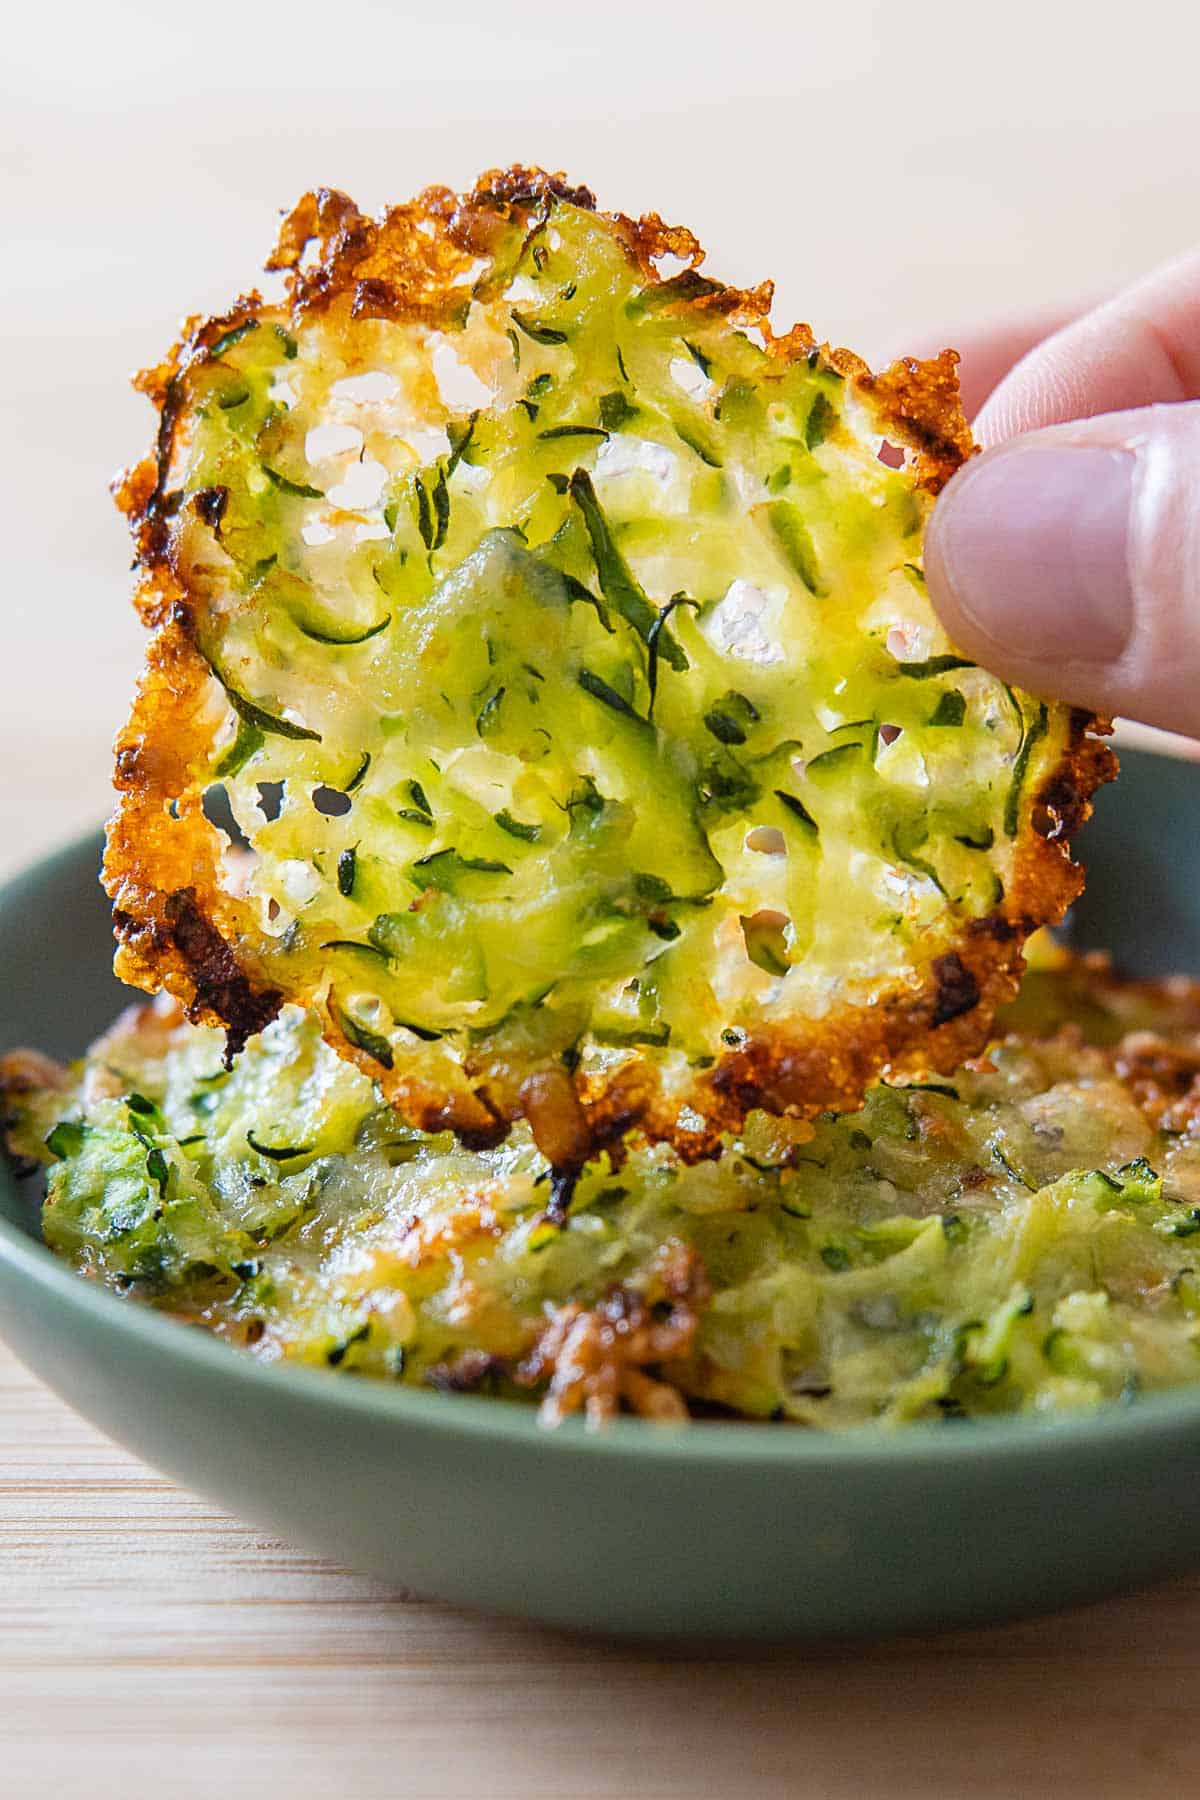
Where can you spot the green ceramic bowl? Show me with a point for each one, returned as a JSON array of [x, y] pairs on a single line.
[[749, 1530]]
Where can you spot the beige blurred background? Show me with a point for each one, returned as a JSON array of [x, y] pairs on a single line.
[[901, 169]]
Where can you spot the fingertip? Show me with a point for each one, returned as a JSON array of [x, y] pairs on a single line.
[[1068, 563], [1030, 550]]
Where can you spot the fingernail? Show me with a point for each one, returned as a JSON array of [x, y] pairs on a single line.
[[1032, 543]]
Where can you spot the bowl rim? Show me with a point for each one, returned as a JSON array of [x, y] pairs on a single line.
[[1167, 1414]]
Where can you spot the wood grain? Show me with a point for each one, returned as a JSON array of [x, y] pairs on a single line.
[[147, 1641]]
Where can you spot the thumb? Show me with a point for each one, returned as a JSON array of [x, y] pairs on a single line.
[[1068, 561]]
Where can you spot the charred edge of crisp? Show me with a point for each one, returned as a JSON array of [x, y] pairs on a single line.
[[152, 526], [1001, 928], [1064, 801], [957, 990], [325, 215], [1047, 877], [941, 454], [919, 401], [1087, 764], [804, 1074], [147, 503], [519, 186], [222, 990], [210, 503]]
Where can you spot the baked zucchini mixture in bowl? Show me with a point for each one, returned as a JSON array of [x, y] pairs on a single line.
[[1021, 1238]]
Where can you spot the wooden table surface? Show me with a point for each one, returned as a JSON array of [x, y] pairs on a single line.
[[147, 1641]]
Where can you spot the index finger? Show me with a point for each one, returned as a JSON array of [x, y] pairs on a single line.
[[1140, 348]]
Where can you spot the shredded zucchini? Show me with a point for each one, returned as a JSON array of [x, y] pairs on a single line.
[[1024, 1238]]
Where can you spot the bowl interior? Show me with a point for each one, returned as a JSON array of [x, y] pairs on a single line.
[[59, 988], [1142, 901]]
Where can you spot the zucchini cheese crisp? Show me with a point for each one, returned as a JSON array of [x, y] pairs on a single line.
[[584, 890], [559, 637], [1024, 1237]]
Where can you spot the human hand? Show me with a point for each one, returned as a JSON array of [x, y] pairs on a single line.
[[1067, 556]]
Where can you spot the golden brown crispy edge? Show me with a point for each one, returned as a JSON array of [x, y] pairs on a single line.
[[177, 929]]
